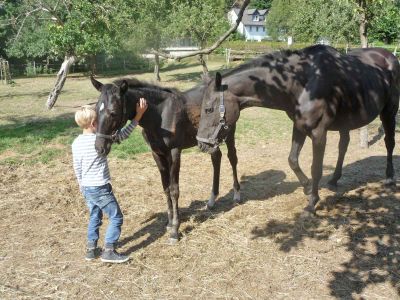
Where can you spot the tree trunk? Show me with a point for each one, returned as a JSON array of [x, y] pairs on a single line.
[[157, 67], [203, 63], [363, 24], [61, 77], [364, 44]]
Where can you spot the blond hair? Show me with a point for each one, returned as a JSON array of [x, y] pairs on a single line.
[[85, 116]]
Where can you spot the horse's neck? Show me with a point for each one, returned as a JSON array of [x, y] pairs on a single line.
[[263, 87]]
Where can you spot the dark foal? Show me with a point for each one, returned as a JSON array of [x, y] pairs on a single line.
[[169, 125], [319, 89]]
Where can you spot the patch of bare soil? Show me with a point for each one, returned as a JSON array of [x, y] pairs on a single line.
[[261, 249]]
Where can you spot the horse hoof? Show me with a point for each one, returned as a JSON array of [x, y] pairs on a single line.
[[236, 197], [307, 213], [390, 182], [209, 205], [332, 186], [172, 241]]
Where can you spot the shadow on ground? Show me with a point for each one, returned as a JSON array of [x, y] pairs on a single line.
[[370, 217], [37, 127], [259, 187]]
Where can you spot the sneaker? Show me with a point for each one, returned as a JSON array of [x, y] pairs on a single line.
[[92, 253], [112, 256]]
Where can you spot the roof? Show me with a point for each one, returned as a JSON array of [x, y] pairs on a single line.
[[248, 16]]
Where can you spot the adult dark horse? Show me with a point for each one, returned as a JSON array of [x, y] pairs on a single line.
[[319, 89], [169, 125]]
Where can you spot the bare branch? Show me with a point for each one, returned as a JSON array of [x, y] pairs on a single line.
[[39, 7], [214, 46], [52, 13], [67, 7], [23, 22]]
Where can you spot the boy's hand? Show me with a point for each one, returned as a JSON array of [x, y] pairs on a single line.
[[141, 107]]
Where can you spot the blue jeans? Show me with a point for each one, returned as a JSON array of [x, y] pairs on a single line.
[[101, 199]]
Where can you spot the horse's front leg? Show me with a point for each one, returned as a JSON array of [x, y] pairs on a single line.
[[175, 164], [298, 139], [163, 167], [318, 145], [216, 162], [343, 144], [230, 144]]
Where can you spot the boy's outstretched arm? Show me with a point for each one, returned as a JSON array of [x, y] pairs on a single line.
[[125, 132]]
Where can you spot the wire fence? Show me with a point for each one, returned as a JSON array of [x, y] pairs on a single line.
[[35, 68]]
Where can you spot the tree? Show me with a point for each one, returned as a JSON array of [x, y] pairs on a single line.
[[312, 20], [261, 4], [385, 26], [147, 30], [215, 45], [365, 13], [278, 19], [73, 29], [200, 20]]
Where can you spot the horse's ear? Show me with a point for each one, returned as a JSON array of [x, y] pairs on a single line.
[[218, 80], [98, 85], [123, 87]]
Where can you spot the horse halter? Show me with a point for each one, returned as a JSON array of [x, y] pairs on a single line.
[[214, 140], [113, 136]]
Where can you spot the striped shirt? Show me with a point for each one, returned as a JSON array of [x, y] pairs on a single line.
[[90, 168]]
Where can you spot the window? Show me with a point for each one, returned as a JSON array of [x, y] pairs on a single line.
[[256, 18], [257, 28]]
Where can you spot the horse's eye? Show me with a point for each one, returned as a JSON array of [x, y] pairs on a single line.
[[209, 110]]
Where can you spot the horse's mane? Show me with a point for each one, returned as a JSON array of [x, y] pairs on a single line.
[[137, 84], [152, 90]]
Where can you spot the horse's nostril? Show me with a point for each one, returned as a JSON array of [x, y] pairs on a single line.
[[203, 147]]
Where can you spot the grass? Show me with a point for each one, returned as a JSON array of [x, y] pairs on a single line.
[[30, 134]]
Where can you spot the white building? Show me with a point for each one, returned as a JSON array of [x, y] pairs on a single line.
[[252, 26]]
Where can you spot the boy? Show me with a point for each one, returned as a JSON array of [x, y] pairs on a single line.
[[95, 183]]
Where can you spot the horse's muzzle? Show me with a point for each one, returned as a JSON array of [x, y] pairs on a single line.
[[207, 148], [102, 146]]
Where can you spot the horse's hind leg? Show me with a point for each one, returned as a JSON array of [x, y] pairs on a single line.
[[388, 118], [319, 143], [343, 144], [230, 143], [216, 161], [298, 139]]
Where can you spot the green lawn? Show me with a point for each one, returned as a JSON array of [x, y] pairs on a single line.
[[30, 134]]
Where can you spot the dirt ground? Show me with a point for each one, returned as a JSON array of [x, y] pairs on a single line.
[[261, 249]]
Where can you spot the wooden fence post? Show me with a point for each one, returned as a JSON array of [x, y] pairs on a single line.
[[5, 75]]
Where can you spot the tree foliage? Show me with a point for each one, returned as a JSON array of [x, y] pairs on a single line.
[[70, 27], [200, 20], [308, 21], [385, 26], [261, 4]]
